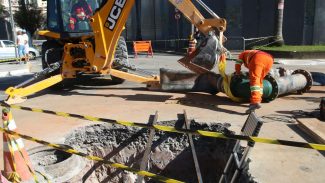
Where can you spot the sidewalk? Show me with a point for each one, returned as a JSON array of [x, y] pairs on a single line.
[[13, 69]]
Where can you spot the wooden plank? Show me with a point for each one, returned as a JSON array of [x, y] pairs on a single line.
[[314, 128], [196, 161], [145, 158]]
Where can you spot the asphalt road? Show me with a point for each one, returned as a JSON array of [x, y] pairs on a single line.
[[147, 64]]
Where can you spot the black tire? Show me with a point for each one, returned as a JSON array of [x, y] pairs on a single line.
[[121, 53], [32, 55], [54, 55]]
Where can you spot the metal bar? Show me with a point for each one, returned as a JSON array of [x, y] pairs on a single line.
[[145, 158], [207, 9], [224, 176], [251, 128], [196, 162], [241, 163]]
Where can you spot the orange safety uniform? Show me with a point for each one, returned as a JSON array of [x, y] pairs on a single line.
[[259, 64]]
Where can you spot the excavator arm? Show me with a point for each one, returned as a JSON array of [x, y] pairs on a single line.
[[107, 24]]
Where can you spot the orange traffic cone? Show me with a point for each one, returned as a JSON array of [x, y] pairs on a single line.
[[192, 45], [3, 179], [17, 165]]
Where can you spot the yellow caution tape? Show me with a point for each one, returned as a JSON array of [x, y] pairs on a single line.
[[226, 79], [94, 158], [320, 147]]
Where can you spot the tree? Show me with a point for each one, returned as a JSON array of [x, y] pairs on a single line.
[[2, 10], [3, 14], [29, 17], [279, 23]]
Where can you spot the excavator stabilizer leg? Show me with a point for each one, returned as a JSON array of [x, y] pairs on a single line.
[[18, 95]]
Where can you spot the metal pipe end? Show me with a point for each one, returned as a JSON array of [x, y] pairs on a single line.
[[275, 88], [309, 79]]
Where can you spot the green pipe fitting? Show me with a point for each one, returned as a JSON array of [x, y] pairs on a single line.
[[240, 88]]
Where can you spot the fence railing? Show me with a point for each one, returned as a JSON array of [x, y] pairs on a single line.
[[242, 43]]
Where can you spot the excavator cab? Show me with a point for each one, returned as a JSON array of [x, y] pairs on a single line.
[[68, 22], [70, 18]]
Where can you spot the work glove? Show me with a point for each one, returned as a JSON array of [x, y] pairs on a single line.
[[253, 107]]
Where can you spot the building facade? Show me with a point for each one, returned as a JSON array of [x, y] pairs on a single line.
[[304, 20], [303, 24]]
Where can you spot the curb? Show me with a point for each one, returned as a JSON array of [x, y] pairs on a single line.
[[18, 72], [296, 55]]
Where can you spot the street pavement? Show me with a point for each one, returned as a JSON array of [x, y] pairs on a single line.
[[131, 101], [14, 69]]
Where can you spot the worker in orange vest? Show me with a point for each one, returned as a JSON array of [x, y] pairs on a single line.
[[259, 64]]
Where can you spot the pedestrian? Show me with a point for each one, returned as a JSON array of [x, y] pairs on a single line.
[[259, 64], [26, 41], [21, 46]]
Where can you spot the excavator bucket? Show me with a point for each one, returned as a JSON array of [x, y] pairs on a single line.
[[205, 57]]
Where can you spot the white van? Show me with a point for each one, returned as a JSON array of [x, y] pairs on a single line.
[[7, 50]]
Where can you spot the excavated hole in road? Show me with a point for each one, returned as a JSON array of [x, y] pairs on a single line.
[[170, 153]]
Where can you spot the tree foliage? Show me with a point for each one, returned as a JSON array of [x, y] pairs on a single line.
[[29, 17], [3, 12]]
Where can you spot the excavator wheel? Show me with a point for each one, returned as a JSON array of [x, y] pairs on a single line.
[[121, 53], [52, 52]]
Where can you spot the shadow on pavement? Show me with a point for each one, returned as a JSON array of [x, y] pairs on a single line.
[[6, 82], [302, 134], [135, 97], [211, 102], [295, 128], [207, 101]]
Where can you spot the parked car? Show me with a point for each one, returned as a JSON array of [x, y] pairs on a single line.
[[7, 50]]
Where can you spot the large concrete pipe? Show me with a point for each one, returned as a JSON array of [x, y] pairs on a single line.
[[185, 81]]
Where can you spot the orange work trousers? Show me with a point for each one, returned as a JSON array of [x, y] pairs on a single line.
[[259, 66]]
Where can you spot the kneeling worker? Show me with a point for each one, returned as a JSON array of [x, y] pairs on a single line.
[[259, 64]]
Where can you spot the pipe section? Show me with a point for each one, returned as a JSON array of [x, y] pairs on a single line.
[[184, 81], [299, 81]]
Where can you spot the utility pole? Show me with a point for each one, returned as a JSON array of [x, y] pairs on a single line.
[[12, 22]]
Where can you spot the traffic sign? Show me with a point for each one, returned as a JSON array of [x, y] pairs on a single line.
[[177, 16]]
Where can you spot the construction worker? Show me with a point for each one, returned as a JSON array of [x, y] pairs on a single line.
[[259, 64], [80, 13]]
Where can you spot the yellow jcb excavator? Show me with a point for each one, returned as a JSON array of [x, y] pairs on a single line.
[[83, 37]]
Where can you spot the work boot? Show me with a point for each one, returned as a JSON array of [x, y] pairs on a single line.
[[253, 107]]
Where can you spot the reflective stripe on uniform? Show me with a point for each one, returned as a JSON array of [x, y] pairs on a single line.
[[255, 88], [239, 61], [261, 90], [14, 146]]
